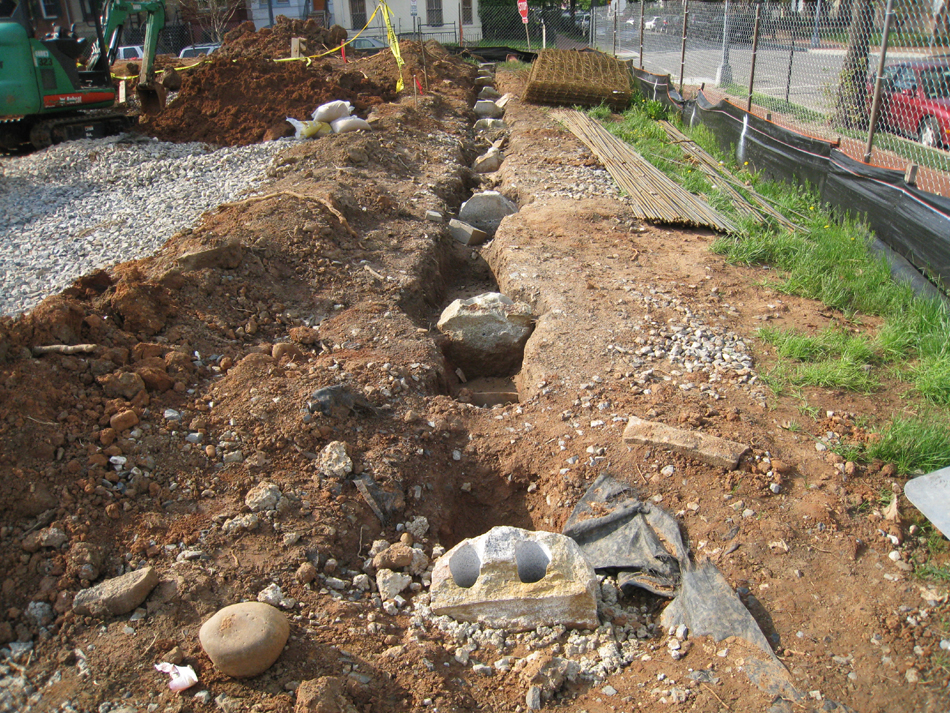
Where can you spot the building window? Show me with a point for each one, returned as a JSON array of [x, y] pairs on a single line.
[[434, 13], [466, 12], [358, 13], [51, 9]]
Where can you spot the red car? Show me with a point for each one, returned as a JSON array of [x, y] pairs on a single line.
[[915, 101]]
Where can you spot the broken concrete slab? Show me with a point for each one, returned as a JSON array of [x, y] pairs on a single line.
[[486, 210], [484, 81], [486, 334], [713, 450], [488, 162], [487, 109], [489, 93], [466, 234], [118, 595], [435, 216], [516, 579]]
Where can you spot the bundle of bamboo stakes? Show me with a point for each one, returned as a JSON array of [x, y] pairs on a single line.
[[653, 196], [754, 205]]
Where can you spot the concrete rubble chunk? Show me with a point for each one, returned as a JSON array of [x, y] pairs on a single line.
[[334, 461], [244, 639], [263, 496], [434, 216], [517, 580], [487, 109], [391, 583], [486, 334], [486, 210], [118, 595], [488, 162], [466, 234], [484, 81], [489, 93], [713, 450]]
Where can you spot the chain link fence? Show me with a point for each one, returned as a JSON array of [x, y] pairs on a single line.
[[808, 65]]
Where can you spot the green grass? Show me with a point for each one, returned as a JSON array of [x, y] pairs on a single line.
[[914, 445], [828, 259]]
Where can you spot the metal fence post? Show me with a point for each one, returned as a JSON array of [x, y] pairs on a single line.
[[642, 5], [724, 73], [683, 52], [879, 80], [615, 31], [755, 50], [791, 58]]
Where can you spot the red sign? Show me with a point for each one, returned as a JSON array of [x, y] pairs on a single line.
[[523, 9]]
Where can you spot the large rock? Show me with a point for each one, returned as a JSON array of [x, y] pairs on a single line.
[[118, 595], [488, 162], [244, 639], [487, 109], [486, 334], [486, 210], [514, 579], [491, 126]]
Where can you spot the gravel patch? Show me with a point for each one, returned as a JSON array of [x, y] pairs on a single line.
[[86, 205]]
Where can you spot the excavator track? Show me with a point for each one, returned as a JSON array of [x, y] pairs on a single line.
[[24, 135]]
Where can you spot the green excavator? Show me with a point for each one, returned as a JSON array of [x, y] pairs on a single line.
[[60, 88]]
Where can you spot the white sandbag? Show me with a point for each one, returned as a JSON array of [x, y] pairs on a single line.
[[309, 129], [332, 111], [349, 123]]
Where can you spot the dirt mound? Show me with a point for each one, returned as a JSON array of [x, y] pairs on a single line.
[[235, 103], [436, 69], [274, 42]]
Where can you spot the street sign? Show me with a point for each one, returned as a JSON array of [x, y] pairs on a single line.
[[413, 7], [523, 9]]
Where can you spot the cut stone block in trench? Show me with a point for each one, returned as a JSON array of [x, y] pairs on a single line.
[[517, 580]]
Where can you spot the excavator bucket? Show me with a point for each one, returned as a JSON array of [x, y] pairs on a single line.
[[151, 97]]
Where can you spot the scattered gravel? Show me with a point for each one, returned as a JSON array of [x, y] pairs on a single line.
[[85, 205]]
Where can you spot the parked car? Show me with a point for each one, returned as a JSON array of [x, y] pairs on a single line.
[[130, 52], [192, 51], [368, 45], [915, 101], [582, 20]]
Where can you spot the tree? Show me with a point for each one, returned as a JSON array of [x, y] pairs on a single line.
[[212, 16], [852, 109]]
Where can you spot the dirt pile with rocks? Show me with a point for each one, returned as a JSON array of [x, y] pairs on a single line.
[[234, 103], [175, 433], [274, 42]]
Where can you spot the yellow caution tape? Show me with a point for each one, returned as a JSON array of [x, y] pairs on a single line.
[[390, 34], [393, 43]]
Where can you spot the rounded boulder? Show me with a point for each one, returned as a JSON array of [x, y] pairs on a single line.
[[244, 639]]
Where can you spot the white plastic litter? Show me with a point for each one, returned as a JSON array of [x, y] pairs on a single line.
[[349, 123], [309, 129], [332, 111], [182, 677]]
